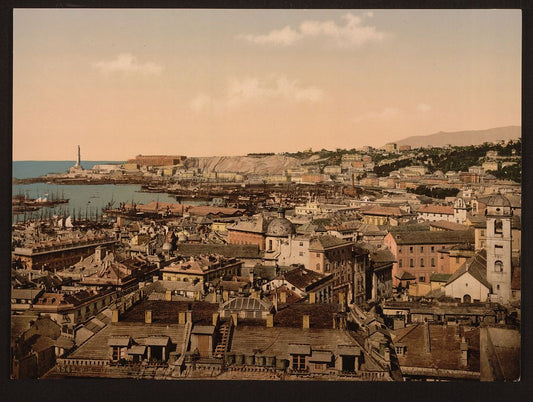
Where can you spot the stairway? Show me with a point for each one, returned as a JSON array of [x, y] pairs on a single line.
[[222, 346]]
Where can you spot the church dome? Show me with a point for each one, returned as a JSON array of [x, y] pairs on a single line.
[[280, 227], [498, 200]]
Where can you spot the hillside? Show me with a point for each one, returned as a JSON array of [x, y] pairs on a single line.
[[273, 164], [463, 138]]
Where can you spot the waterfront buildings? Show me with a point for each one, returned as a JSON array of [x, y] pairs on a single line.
[[324, 280], [50, 255]]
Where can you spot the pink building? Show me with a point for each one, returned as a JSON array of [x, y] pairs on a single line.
[[416, 252]]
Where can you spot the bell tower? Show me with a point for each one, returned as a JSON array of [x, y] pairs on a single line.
[[498, 245]]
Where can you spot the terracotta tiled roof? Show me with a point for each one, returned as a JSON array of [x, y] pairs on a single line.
[[381, 256], [255, 225], [203, 210], [227, 250], [383, 211], [325, 242], [434, 237], [444, 350], [320, 315], [405, 276], [166, 312], [290, 296], [435, 209], [438, 277], [51, 299], [302, 278], [446, 225], [475, 266]]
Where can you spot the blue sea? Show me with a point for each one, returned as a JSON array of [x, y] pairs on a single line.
[[84, 200], [29, 169]]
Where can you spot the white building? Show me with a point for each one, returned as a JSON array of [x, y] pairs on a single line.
[[469, 283], [499, 242]]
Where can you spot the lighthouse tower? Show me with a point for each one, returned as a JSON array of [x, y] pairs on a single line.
[[499, 237], [78, 161], [77, 167]]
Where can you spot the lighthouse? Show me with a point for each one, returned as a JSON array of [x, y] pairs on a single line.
[[77, 168], [78, 161]]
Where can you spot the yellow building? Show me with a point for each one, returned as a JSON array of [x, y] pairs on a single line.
[[220, 226], [202, 269]]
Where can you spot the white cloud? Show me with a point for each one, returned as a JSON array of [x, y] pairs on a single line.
[[386, 114], [201, 102], [127, 63], [352, 33], [284, 37], [251, 89], [424, 108]]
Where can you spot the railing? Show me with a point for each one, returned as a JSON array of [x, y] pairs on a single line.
[[372, 375], [81, 362]]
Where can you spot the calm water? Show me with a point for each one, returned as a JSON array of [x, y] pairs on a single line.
[[29, 169], [87, 200]]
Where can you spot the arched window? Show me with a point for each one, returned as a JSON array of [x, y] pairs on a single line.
[[498, 227], [498, 266]]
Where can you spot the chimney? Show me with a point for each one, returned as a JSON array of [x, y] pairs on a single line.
[[270, 321], [387, 354], [382, 348], [312, 297], [168, 295], [215, 319], [148, 317], [99, 254], [427, 338], [114, 317], [234, 318], [188, 316], [283, 297], [181, 317], [305, 321], [464, 352]]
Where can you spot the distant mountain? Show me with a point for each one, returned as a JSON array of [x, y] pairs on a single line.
[[461, 138]]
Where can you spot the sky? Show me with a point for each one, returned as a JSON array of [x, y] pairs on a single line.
[[228, 82]]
